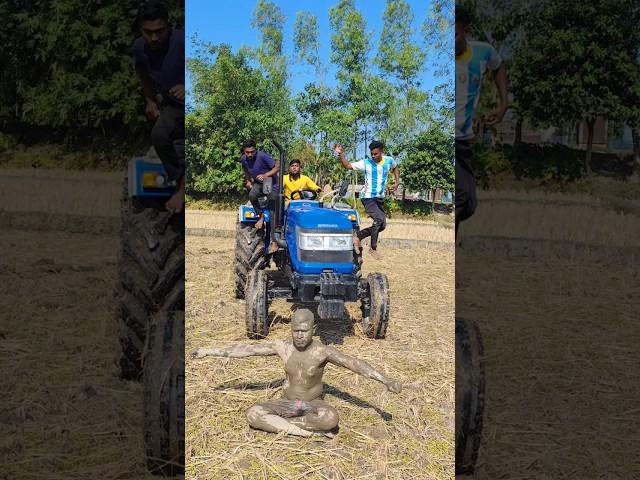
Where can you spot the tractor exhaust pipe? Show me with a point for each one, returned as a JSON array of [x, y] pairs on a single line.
[[279, 210]]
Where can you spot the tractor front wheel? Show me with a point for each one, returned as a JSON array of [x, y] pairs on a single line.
[[374, 304], [257, 304], [249, 255]]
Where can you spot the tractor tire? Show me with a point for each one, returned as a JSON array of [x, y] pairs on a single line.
[[357, 264], [164, 394], [374, 304], [257, 305], [249, 255], [470, 395], [150, 274]]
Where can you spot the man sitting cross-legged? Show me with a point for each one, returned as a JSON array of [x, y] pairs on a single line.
[[300, 411]]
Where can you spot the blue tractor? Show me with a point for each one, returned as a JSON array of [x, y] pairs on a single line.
[[150, 297], [315, 265]]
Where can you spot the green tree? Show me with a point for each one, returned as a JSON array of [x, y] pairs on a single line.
[[231, 103], [349, 50], [269, 20], [570, 66], [306, 43], [322, 122], [398, 57], [437, 30], [67, 67], [429, 163]]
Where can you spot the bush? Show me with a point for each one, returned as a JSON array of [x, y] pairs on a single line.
[[549, 163], [489, 161]]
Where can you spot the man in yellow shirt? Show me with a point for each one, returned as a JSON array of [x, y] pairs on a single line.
[[296, 182]]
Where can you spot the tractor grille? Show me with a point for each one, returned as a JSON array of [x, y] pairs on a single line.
[[322, 256]]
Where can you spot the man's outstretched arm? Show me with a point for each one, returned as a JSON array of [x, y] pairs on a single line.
[[363, 368], [238, 351]]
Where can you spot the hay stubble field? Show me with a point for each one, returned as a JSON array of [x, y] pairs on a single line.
[[382, 435]]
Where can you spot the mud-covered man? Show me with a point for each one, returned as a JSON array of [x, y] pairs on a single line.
[[301, 411], [159, 61]]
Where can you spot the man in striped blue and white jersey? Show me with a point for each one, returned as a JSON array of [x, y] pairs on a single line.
[[473, 59], [376, 169]]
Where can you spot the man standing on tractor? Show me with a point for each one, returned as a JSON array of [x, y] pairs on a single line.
[[297, 182], [375, 171], [159, 63], [473, 59], [258, 166]]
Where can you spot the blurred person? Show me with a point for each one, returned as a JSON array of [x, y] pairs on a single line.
[[159, 62]]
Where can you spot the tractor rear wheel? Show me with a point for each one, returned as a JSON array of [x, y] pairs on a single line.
[[470, 394], [249, 255], [164, 394], [375, 304], [150, 274], [257, 305]]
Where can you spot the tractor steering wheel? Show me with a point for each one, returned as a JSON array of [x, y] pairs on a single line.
[[304, 190]]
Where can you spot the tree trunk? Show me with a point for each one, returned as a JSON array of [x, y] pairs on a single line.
[[366, 137], [518, 138], [433, 199], [355, 145], [587, 161], [635, 138]]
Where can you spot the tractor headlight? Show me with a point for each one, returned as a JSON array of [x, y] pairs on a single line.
[[326, 241], [342, 242]]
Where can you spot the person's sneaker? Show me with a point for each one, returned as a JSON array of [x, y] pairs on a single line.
[[356, 243], [375, 254], [260, 222]]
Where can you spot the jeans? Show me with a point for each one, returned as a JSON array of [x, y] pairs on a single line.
[[375, 208], [168, 128], [466, 199]]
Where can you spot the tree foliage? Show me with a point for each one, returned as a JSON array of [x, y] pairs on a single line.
[[67, 66], [245, 94], [576, 63]]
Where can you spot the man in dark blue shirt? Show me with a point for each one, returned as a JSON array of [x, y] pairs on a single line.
[[258, 166], [159, 62]]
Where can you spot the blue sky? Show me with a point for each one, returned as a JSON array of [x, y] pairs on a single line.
[[230, 22]]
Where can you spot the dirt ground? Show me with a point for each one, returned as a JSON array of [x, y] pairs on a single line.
[[65, 414], [560, 332], [383, 435]]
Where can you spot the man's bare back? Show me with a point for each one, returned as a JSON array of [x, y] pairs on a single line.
[[300, 412]]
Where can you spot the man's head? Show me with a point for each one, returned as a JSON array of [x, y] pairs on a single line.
[[377, 150], [294, 167], [463, 28], [153, 22], [249, 148], [302, 328]]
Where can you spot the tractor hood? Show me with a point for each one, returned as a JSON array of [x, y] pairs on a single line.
[[307, 215]]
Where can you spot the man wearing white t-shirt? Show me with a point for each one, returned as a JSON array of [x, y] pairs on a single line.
[[473, 60], [376, 170]]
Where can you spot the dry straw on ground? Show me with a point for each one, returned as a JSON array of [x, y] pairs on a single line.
[[560, 341], [93, 194], [65, 414], [382, 435], [557, 217]]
